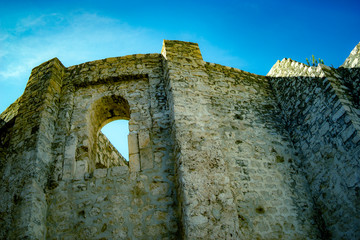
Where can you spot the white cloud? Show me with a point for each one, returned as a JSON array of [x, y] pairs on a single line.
[[35, 22], [78, 38], [73, 39]]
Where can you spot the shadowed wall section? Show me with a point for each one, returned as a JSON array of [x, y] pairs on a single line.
[[323, 124]]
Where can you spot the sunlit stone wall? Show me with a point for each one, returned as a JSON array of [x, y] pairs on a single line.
[[214, 152]]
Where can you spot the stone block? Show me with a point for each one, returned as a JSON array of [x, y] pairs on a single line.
[[159, 188], [134, 162], [133, 143], [347, 133], [100, 173], [325, 127], [144, 139], [146, 157], [197, 220], [338, 114], [119, 170], [80, 169]]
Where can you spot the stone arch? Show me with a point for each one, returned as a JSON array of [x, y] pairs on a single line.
[[95, 105], [102, 111]]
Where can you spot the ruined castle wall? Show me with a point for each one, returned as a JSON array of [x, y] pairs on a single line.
[[119, 202], [236, 165], [214, 152], [316, 109], [130, 78]]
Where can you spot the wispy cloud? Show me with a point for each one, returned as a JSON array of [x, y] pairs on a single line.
[[36, 22], [73, 39], [78, 38], [82, 37]]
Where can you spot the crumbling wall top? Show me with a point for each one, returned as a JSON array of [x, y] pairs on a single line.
[[353, 60]]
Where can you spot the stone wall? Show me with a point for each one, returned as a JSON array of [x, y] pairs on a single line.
[[134, 205], [7, 121], [28, 159], [214, 152], [113, 203], [234, 158], [271, 195], [324, 127], [350, 72]]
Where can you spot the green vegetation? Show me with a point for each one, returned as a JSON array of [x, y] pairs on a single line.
[[314, 61]]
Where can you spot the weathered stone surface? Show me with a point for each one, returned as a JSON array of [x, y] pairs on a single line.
[[214, 152], [321, 114]]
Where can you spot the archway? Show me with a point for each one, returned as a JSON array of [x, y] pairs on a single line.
[[104, 111]]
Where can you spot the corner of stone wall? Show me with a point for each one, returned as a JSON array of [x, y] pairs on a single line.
[[9, 113], [187, 85], [30, 157], [350, 72], [173, 50], [344, 93], [353, 60]]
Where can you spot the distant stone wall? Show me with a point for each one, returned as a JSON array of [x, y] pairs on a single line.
[[323, 126], [107, 155], [353, 61], [350, 72]]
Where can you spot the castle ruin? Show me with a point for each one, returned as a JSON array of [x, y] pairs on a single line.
[[214, 152]]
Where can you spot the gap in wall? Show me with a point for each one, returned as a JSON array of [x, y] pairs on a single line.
[[117, 132]]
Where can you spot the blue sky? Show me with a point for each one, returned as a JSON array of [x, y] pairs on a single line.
[[251, 35]]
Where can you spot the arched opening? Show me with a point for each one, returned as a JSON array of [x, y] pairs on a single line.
[[117, 132], [102, 153]]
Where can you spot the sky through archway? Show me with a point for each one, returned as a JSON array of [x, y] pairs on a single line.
[[117, 132]]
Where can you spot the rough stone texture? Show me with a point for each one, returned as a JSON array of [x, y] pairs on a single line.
[[324, 126], [214, 152]]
